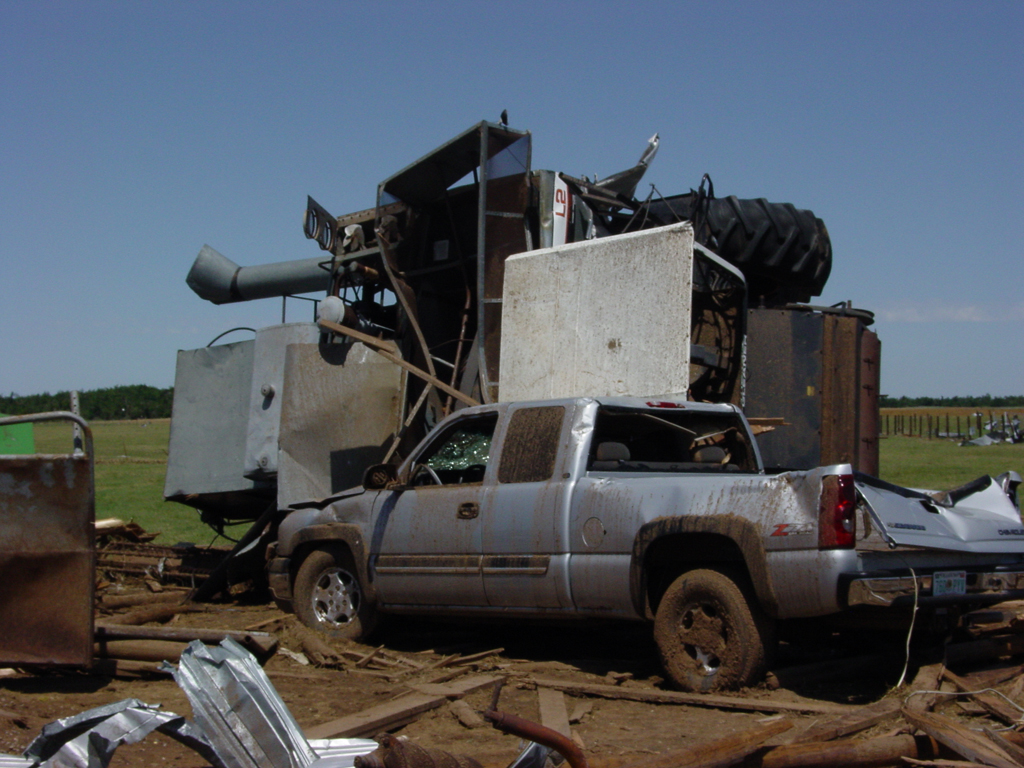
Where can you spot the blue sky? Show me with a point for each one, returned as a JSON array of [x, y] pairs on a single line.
[[131, 133]]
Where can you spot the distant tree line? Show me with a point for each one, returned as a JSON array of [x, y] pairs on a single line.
[[959, 401], [137, 401], [140, 401]]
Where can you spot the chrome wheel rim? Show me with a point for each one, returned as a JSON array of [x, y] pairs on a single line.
[[336, 597]]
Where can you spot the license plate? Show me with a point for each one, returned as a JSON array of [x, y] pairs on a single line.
[[949, 583]]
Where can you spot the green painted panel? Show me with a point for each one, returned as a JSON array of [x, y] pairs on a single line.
[[17, 438]]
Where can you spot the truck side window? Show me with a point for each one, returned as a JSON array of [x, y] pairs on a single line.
[[460, 455], [531, 445]]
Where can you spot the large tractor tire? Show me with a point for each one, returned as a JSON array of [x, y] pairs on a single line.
[[784, 252]]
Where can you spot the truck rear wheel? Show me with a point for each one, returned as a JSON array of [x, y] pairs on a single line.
[[709, 634], [328, 596]]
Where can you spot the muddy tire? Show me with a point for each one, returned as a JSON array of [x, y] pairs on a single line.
[[711, 636], [329, 598]]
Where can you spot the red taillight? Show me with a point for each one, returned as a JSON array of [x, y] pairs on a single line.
[[664, 404], [837, 515]]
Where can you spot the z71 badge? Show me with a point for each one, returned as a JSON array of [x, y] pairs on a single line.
[[793, 529]]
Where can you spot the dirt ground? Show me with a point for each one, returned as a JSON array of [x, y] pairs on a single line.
[[612, 732]]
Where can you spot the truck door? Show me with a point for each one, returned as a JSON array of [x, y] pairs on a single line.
[[524, 529], [430, 530]]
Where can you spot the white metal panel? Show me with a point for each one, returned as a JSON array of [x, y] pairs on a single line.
[[609, 316]]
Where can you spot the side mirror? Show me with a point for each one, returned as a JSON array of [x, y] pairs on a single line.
[[380, 476]]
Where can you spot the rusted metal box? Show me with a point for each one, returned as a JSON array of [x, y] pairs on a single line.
[[817, 370], [47, 553]]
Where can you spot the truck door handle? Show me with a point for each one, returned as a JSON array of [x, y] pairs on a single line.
[[468, 510]]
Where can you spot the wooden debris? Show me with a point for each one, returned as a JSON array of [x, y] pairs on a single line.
[[162, 612], [126, 668], [1013, 750], [316, 649], [367, 658], [849, 753], [169, 595], [473, 657], [990, 678], [618, 678], [695, 699], [920, 697], [450, 674], [1001, 617], [720, 752], [465, 714], [260, 644], [963, 741], [183, 564], [857, 720], [113, 527], [942, 763], [139, 650], [580, 711], [553, 713], [995, 705], [267, 622], [1018, 685], [394, 714]]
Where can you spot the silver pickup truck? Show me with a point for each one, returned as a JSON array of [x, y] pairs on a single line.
[[648, 510]]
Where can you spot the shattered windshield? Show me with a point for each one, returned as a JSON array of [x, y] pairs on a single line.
[[468, 445]]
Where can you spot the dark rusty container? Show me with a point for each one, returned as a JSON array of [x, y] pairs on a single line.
[[47, 553]]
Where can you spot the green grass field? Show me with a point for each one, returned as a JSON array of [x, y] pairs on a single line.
[[131, 458]]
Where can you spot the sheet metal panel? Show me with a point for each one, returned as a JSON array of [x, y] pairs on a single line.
[[558, 340], [209, 421], [339, 405], [47, 554], [265, 394]]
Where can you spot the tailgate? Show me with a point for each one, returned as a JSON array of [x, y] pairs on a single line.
[[978, 517]]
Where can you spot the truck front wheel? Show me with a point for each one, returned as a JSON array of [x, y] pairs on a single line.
[[709, 634], [328, 597]]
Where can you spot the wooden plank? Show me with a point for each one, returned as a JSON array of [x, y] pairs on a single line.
[[457, 689], [925, 681], [963, 741], [849, 752], [719, 753], [395, 714], [855, 721], [1014, 751], [693, 699], [996, 706], [384, 717], [553, 713], [941, 763], [862, 718], [381, 348]]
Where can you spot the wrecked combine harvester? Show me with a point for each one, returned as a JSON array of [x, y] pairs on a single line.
[[415, 322]]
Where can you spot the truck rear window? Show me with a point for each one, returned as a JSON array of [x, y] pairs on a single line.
[[669, 440]]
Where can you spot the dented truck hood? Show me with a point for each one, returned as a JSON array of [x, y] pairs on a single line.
[[979, 517]]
